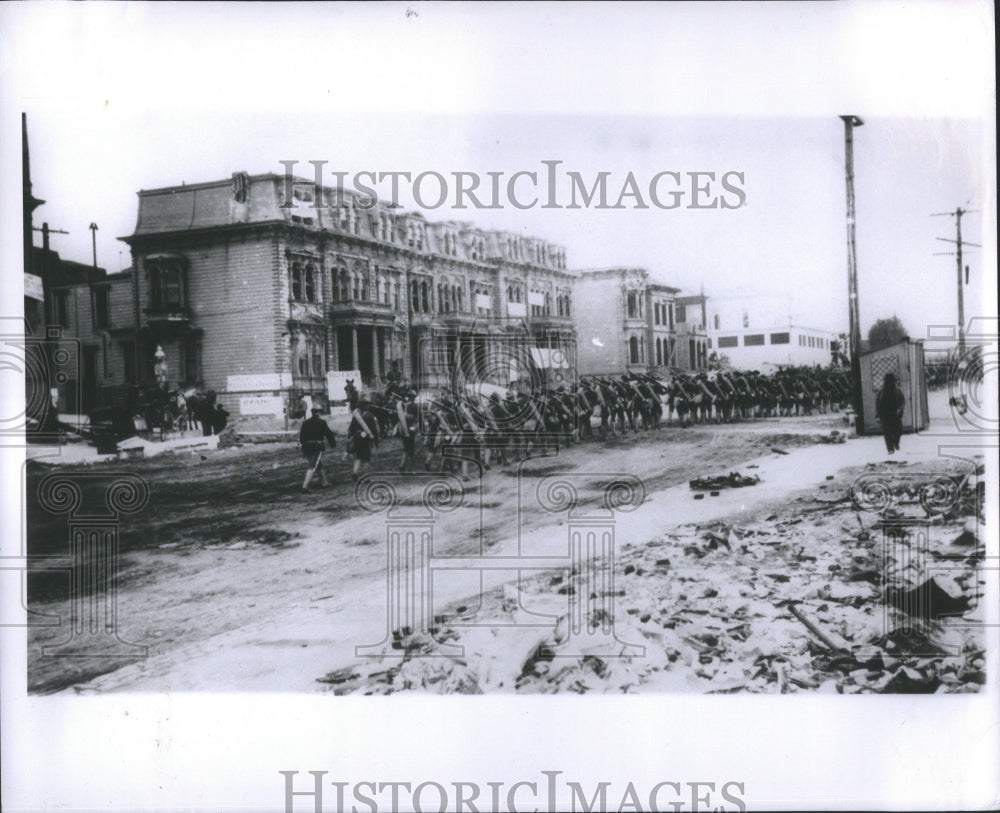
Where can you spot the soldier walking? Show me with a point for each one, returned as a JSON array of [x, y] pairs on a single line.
[[363, 434], [406, 411], [312, 435]]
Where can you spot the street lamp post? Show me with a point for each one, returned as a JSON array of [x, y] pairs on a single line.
[[93, 239]]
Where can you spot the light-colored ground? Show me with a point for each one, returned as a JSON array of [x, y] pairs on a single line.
[[234, 580]]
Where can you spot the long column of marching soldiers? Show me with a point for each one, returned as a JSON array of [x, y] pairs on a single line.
[[463, 425]]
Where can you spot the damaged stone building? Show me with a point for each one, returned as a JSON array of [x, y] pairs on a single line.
[[237, 278]]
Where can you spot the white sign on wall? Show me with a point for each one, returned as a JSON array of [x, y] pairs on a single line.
[[484, 301], [33, 287], [261, 382], [335, 381], [517, 309], [535, 298], [261, 405]]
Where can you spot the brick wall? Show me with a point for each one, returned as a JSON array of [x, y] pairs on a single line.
[[235, 297], [234, 294]]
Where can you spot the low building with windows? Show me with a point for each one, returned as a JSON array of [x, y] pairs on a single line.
[[625, 322], [756, 331], [761, 349], [93, 312], [262, 284]]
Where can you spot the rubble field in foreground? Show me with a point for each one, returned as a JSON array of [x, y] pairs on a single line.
[[812, 595]]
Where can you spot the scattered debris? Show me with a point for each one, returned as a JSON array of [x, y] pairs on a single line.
[[823, 637], [929, 600], [732, 480], [786, 601]]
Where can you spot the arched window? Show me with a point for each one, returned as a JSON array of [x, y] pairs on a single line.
[[548, 304], [633, 350], [297, 281], [659, 353], [356, 286], [425, 297], [345, 285]]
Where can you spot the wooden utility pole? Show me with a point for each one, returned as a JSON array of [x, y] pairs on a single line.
[[957, 214], [45, 272], [961, 294], [850, 122]]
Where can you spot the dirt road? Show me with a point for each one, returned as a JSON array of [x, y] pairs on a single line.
[[235, 580]]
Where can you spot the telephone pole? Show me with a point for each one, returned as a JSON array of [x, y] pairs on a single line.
[[850, 122], [957, 214], [45, 272]]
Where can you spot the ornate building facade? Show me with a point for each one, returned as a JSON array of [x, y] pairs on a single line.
[[237, 278]]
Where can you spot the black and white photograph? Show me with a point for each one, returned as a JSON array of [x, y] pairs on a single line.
[[473, 407]]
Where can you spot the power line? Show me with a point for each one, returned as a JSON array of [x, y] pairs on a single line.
[[959, 244]]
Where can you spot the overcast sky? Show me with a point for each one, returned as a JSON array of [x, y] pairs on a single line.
[[349, 98]]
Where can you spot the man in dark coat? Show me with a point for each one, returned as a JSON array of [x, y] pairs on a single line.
[[889, 405], [206, 413], [363, 434], [409, 424], [312, 435], [220, 417]]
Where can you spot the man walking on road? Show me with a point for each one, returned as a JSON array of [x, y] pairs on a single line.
[[889, 405], [312, 435], [363, 433], [409, 422]]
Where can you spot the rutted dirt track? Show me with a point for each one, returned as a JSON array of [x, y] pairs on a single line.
[[234, 579]]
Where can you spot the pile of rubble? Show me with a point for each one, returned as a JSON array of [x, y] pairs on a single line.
[[820, 597]]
